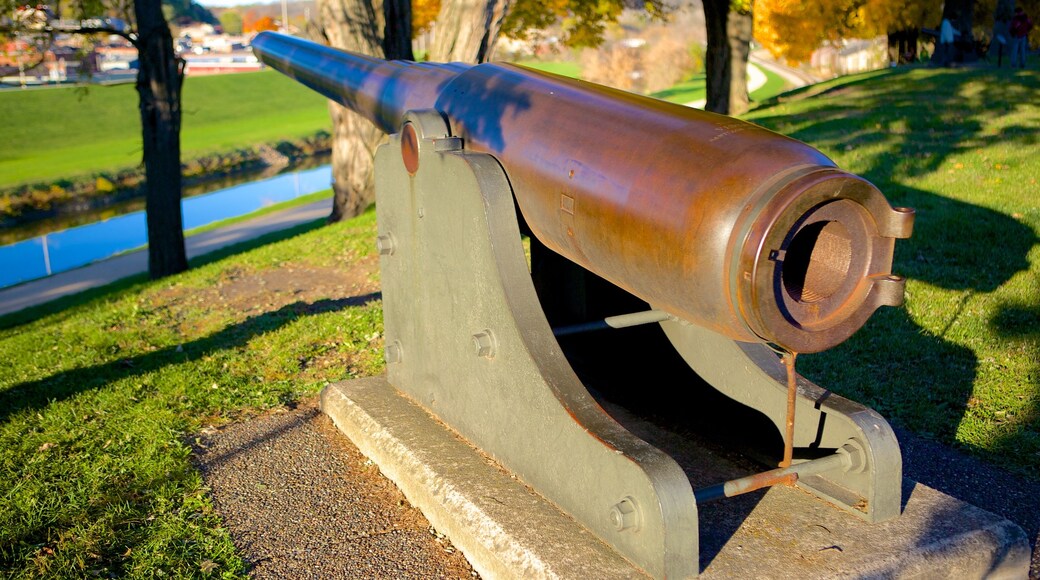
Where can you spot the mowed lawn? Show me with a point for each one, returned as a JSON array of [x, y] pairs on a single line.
[[961, 363], [59, 133], [102, 395]]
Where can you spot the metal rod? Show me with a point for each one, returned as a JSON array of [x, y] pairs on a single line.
[[619, 321], [46, 255], [792, 395], [842, 459]]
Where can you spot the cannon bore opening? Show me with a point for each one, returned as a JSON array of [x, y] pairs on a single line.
[[817, 261]]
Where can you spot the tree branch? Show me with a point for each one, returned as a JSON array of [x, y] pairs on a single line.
[[130, 37]]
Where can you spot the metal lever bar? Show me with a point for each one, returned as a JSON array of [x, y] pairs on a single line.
[[841, 459], [619, 321]]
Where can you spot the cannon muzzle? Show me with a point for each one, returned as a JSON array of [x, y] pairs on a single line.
[[716, 221]]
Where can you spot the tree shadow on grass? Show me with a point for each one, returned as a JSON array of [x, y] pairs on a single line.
[[919, 376], [920, 120], [907, 124], [1023, 321], [137, 485], [38, 394]]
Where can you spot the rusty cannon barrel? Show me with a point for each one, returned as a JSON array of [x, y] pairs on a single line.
[[717, 221]]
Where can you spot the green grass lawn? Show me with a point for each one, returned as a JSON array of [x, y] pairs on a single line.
[[101, 394], [51, 134], [774, 85], [961, 363], [688, 91], [567, 69]]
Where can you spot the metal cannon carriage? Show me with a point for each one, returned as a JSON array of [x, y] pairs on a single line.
[[721, 241]]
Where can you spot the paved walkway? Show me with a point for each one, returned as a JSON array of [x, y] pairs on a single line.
[[756, 78], [795, 77], [760, 60], [107, 271]]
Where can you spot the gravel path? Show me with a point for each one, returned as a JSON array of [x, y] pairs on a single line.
[[301, 501]]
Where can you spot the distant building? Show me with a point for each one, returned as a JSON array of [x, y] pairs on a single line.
[[60, 63], [217, 63], [204, 51], [850, 56], [197, 31], [115, 58]]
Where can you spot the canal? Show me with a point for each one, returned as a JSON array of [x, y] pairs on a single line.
[[65, 249]]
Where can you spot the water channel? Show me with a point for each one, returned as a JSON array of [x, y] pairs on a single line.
[[69, 248]]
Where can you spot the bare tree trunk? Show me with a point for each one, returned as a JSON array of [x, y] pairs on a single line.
[[354, 142], [467, 30], [397, 32], [729, 43], [159, 88], [380, 28]]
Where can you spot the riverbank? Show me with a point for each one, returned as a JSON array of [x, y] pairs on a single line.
[[31, 203], [80, 138]]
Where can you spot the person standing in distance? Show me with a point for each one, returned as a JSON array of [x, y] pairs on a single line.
[[1020, 27], [947, 35]]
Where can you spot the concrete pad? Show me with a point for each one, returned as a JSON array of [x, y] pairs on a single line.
[[504, 529], [507, 531]]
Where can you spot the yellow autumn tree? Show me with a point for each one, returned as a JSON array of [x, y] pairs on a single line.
[[793, 30], [582, 22], [424, 12]]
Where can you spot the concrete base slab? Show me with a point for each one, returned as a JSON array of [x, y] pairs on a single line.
[[507, 531]]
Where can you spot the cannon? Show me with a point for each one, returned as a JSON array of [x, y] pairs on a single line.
[[738, 242]]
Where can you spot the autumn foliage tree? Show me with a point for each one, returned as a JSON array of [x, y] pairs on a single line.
[[793, 30], [261, 24], [424, 13]]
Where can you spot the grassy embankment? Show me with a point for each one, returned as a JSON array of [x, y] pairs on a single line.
[[62, 133], [101, 393]]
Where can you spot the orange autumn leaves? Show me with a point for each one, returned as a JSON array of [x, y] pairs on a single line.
[[793, 30]]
